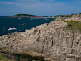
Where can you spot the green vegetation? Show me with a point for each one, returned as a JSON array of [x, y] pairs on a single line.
[[66, 16], [29, 57], [4, 58], [22, 57], [63, 16], [24, 15], [79, 13], [57, 20], [73, 25]]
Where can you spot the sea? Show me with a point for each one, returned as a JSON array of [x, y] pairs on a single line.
[[21, 23]]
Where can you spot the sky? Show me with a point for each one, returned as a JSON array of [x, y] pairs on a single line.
[[39, 7]]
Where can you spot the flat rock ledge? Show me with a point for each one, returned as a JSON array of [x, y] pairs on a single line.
[[50, 41]]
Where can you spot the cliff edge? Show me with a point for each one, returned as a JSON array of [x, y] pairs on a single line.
[[51, 41]]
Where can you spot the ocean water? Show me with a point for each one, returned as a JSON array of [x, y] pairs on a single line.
[[21, 24]]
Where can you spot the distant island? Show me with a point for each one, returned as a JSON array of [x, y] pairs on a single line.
[[56, 16], [24, 15]]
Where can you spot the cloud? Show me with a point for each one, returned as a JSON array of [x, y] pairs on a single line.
[[44, 7], [40, 7], [50, 0], [37, 3], [5, 2], [28, 1], [79, 2]]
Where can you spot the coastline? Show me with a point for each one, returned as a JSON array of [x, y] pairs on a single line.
[[51, 41]]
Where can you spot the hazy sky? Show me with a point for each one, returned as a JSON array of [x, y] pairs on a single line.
[[39, 7]]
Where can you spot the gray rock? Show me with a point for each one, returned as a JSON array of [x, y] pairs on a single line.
[[48, 40]]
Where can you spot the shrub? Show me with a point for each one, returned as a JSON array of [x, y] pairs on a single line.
[[4, 58], [74, 26]]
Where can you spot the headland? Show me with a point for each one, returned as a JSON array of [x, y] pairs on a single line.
[[56, 41]]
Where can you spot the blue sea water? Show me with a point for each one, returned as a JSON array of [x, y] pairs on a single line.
[[21, 24]]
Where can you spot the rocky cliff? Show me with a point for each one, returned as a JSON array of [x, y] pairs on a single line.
[[74, 18], [52, 41]]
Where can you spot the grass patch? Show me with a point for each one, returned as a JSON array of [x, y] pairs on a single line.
[[29, 57], [4, 58], [73, 25]]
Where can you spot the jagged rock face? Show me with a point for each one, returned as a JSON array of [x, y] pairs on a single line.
[[78, 15], [74, 18], [50, 40]]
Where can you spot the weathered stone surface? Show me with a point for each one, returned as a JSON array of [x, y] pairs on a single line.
[[74, 18], [47, 40]]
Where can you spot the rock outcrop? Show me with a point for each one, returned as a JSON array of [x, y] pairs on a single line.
[[52, 41], [74, 18]]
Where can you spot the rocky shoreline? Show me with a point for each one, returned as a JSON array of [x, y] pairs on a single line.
[[52, 42]]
